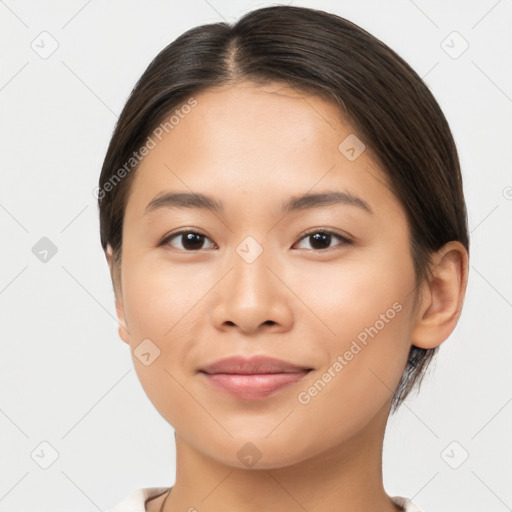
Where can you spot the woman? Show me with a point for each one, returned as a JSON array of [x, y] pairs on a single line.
[[281, 208]]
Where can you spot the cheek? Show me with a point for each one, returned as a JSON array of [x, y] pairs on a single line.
[[362, 366], [365, 307], [157, 303], [158, 295], [353, 293]]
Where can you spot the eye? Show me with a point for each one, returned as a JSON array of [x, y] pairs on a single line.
[[321, 239], [191, 240]]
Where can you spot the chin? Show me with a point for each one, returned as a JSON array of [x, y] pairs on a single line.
[[260, 453]]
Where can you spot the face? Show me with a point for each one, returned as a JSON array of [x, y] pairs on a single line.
[[326, 285]]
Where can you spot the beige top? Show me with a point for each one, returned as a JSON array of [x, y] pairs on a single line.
[[136, 501]]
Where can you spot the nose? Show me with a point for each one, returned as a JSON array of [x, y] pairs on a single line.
[[252, 297]]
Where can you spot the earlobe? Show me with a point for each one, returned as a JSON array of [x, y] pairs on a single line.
[[122, 326], [108, 255], [441, 302]]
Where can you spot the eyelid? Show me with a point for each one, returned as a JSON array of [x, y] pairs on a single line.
[[328, 231], [345, 239], [167, 238]]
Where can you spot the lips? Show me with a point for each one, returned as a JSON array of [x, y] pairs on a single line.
[[251, 366], [253, 378]]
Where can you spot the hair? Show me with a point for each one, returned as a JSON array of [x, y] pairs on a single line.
[[315, 52]]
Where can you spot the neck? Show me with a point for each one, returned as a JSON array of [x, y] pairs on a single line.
[[346, 478]]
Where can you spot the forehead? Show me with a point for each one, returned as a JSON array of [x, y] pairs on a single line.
[[259, 143]]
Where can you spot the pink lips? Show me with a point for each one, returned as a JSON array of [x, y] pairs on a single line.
[[252, 378]]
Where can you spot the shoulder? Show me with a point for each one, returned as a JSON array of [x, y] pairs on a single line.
[[405, 503], [137, 500]]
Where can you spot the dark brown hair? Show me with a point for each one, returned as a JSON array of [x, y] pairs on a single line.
[[386, 102]]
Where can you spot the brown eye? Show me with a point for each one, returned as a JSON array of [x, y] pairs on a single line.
[[190, 240], [321, 239]]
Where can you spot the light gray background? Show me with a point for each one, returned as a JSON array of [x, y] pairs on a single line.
[[65, 376]]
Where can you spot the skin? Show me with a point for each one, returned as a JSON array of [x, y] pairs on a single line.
[[253, 148]]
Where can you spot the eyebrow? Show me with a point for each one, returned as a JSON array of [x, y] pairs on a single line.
[[303, 202]]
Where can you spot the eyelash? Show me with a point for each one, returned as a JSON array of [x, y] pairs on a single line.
[[344, 240]]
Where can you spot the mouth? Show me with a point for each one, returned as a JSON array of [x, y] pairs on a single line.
[[254, 378]]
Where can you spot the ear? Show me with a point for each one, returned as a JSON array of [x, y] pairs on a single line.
[[442, 298], [122, 325]]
